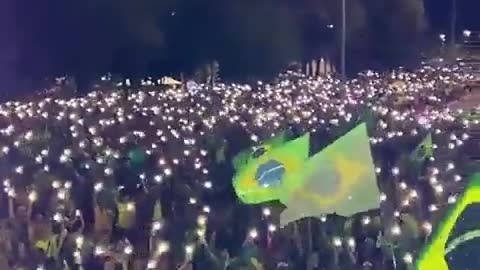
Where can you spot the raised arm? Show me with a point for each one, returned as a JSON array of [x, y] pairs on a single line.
[[82, 221], [29, 209], [11, 211]]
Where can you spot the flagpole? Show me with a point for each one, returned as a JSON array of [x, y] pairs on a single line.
[[310, 240], [453, 25], [394, 258], [297, 237]]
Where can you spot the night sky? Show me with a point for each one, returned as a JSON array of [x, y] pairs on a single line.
[[40, 15], [439, 12]]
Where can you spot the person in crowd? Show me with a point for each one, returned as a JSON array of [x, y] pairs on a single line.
[[143, 181]]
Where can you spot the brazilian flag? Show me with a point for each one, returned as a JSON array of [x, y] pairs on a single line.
[[339, 179], [423, 151], [260, 178], [456, 243]]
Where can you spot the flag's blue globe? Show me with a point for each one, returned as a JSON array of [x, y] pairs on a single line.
[[270, 173]]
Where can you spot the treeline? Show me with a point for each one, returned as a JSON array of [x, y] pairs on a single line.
[[248, 38]]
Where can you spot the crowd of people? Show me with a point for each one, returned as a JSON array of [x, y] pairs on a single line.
[[143, 179]]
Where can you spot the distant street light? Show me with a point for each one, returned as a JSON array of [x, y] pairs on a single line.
[[467, 33], [443, 37], [330, 26]]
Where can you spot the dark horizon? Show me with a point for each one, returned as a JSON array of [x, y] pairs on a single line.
[[250, 39]]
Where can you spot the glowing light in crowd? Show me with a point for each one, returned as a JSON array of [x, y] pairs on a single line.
[[175, 127]]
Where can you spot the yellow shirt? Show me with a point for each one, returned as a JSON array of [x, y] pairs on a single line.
[[256, 264], [126, 214], [51, 247]]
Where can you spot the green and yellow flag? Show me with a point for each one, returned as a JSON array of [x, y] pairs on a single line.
[[456, 243], [340, 179], [261, 177], [423, 151]]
